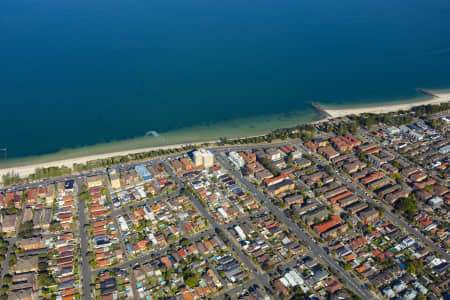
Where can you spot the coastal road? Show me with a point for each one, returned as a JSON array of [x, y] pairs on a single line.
[[102, 171], [316, 250]]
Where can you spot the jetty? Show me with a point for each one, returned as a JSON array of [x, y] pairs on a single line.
[[323, 113], [428, 93]]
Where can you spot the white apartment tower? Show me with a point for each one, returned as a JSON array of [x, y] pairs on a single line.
[[203, 157]]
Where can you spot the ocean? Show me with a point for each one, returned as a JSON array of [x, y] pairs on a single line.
[[93, 72]]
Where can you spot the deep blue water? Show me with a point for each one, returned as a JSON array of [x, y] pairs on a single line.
[[81, 72]]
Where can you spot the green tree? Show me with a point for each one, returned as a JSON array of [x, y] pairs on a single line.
[[7, 279], [26, 230], [191, 282]]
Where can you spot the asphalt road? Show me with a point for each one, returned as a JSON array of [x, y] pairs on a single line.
[[395, 219], [261, 278], [85, 267], [304, 237], [86, 274]]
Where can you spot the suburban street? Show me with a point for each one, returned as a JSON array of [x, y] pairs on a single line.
[[258, 276], [395, 219], [262, 278], [85, 267], [316, 250]]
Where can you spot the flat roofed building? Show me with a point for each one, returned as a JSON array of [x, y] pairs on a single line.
[[9, 223], [369, 215], [315, 216], [143, 172], [392, 130], [328, 152], [203, 157], [94, 181], [115, 181], [445, 149], [236, 159], [27, 264], [24, 294]]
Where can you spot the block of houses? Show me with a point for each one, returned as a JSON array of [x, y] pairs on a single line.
[[31, 243], [325, 226], [377, 184], [311, 146], [353, 167], [358, 243], [315, 216], [282, 187], [418, 176], [9, 223], [356, 207], [372, 177], [340, 196], [320, 142], [341, 144], [302, 163], [94, 181], [387, 190], [248, 157], [346, 201], [42, 218], [293, 199], [255, 167], [114, 181], [27, 264], [369, 215], [369, 148], [328, 152], [353, 141], [393, 197], [423, 195]]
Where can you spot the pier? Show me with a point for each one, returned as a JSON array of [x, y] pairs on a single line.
[[428, 93], [323, 113]]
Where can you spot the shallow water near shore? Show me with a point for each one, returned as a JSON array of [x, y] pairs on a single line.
[[231, 129], [90, 76]]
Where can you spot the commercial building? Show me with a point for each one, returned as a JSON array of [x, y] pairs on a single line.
[[143, 172]]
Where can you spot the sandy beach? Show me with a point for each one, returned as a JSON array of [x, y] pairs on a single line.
[[26, 170], [341, 112]]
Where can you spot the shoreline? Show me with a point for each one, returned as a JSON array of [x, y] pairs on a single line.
[[324, 114], [233, 129], [27, 170], [435, 98]]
